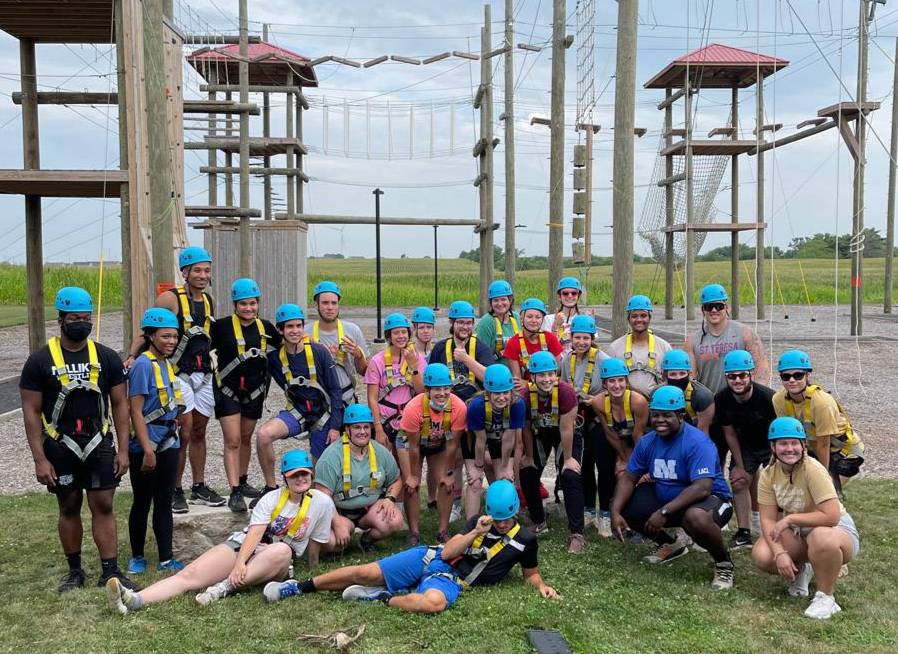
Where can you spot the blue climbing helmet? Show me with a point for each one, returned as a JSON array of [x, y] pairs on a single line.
[[437, 374], [296, 460], [502, 501], [676, 360], [583, 324], [288, 312], [424, 315], [326, 287], [713, 293], [569, 282], [794, 360], [193, 254], [395, 320], [461, 309], [785, 427], [497, 378], [614, 368], [667, 398], [542, 362], [738, 361], [357, 413], [639, 303], [158, 318], [499, 288], [73, 299], [244, 289], [535, 304]]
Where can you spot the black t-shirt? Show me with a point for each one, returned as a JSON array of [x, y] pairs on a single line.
[[501, 564], [750, 419], [483, 354], [196, 354], [224, 343], [82, 405]]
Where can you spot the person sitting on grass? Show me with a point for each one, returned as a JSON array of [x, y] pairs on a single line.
[[806, 530], [284, 524], [687, 488], [490, 546]]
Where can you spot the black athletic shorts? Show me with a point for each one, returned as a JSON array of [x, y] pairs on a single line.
[[753, 460], [231, 406], [354, 515], [96, 473], [469, 442], [845, 466]]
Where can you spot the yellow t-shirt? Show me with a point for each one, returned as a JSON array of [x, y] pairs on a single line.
[[809, 486], [820, 414]]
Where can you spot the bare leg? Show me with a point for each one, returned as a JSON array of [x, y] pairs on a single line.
[[742, 504], [413, 504], [432, 482], [102, 522], [269, 564], [273, 430], [763, 556], [367, 575], [71, 531], [704, 531], [474, 489], [430, 601], [440, 462], [341, 533], [230, 429], [828, 549], [211, 567], [185, 433], [197, 453]]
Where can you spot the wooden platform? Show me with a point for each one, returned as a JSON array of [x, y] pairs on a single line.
[[715, 227], [58, 21], [702, 147], [847, 109], [259, 146], [63, 183]]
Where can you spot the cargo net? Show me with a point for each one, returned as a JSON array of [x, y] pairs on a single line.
[[707, 171]]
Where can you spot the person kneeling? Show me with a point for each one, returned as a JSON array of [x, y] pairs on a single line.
[[488, 549], [815, 535], [686, 488], [284, 524]]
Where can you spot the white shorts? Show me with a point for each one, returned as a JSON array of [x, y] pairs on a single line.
[[197, 392]]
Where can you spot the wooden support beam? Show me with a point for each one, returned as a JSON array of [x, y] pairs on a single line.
[[666, 102], [466, 55], [220, 107], [222, 212], [722, 131], [346, 62], [673, 179], [479, 179], [478, 95], [810, 121], [258, 88], [496, 52], [69, 97], [258, 145], [769, 127], [850, 140], [530, 47], [435, 58], [640, 131], [568, 41], [217, 39], [714, 227], [676, 131], [325, 219], [320, 60], [257, 170], [406, 60], [479, 147], [786, 140], [375, 61]]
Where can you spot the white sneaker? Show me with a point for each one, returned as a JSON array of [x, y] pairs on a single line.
[[456, 511], [215, 592], [822, 607], [723, 576], [603, 524], [367, 593], [799, 586], [120, 599]]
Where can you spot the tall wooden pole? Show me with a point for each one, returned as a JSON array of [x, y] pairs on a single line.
[[291, 189], [759, 234], [734, 209], [668, 211], [556, 157], [299, 182], [229, 157], [857, 230], [622, 200], [690, 206], [486, 162], [162, 203], [123, 164], [246, 245], [212, 178], [587, 222], [266, 132], [34, 247], [890, 215], [510, 220]]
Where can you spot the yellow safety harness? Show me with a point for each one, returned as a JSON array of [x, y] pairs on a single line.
[[542, 420], [405, 375], [590, 368], [190, 330], [311, 381], [500, 335], [491, 553], [316, 338], [373, 484], [470, 348], [524, 355], [848, 443], [67, 385], [426, 420], [488, 420], [167, 403], [628, 352], [243, 355], [687, 394], [298, 519], [627, 430]]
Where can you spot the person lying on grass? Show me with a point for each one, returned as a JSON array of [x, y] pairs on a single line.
[[426, 579], [284, 524]]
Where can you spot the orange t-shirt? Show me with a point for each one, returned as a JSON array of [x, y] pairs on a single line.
[[413, 418]]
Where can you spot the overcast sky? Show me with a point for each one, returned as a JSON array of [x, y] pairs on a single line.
[[808, 184]]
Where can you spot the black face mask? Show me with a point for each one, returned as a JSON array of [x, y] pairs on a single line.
[[679, 383], [77, 331]]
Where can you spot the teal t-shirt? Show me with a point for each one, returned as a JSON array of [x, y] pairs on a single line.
[[485, 330], [329, 473]]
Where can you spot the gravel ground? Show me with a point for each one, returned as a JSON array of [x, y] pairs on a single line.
[[860, 372]]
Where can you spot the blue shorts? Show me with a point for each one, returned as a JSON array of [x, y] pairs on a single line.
[[406, 570], [317, 439]]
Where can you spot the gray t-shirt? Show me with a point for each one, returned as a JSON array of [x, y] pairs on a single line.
[[346, 372], [595, 384], [709, 351], [642, 378]]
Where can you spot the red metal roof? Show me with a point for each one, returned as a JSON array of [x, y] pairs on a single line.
[[268, 65], [716, 66], [715, 53], [256, 52]]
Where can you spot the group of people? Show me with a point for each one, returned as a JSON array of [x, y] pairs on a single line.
[[638, 436]]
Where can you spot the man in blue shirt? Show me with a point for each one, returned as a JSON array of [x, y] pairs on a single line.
[[680, 483]]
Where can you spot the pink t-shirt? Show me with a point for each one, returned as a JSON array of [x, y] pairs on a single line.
[[413, 418], [376, 373]]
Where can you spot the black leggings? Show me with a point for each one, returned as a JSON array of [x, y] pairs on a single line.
[[598, 467], [545, 441], [154, 487]]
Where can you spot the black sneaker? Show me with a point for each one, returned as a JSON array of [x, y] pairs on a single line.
[[236, 503], [741, 539], [73, 579], [267, 489], [202, 494], [249, 491], [122, 579], [179, 502]]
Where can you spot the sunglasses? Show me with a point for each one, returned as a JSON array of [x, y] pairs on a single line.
[[798, 376], [714, 306], [570, 293], [734, 376]]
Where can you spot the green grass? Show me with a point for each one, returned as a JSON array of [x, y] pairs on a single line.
[[611, 602]]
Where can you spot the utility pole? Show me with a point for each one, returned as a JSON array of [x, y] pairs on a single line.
[[759, 213], [486, 161], [624, 109], [34, 247], [890, 215], [734, 207], [857, 231], [556, 158], [377, 193], [266, 132], [246, 244], [124, 194], [690, 203], [510, 252]]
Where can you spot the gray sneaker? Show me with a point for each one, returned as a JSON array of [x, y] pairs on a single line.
[[179, 502], [367, 593], [723, 576], [215, 592], [202, 494], [236, 503], [120, 598]]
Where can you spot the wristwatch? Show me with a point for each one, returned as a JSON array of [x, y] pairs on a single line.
[[391, 498], [664, 511]]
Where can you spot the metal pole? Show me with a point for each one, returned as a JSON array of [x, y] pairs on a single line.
[[890, 215], [668, 212], [436, 272], [246, 243], [690, 233], [486, 162], [377, 193], [734, 210], [510, 252], [857, 249], [759, 238], [556, 158]]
